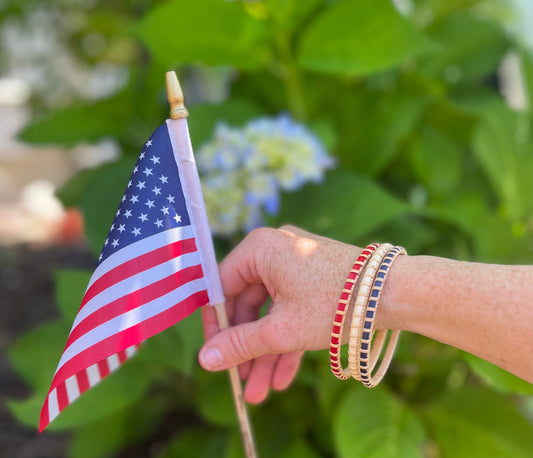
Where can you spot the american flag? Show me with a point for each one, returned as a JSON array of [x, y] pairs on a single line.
[[150, 273]]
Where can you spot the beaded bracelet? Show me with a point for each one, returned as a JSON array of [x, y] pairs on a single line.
[[368, 359], [342, 308], [359, 310]]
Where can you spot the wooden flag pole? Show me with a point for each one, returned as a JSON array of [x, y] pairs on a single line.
[[178, 111]]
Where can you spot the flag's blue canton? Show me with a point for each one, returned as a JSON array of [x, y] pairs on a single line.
[[153, 201]]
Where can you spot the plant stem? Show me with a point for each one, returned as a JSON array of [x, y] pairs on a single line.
[[291, 77]]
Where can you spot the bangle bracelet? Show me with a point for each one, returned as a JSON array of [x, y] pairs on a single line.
[[342, 308], [368, 357], [360, 310]]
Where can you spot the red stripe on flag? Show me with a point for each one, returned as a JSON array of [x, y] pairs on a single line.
[[133, 300], [44, 419], [103, 368], [122, 356], [137, 265], [62, 397], [83, 381], [130, 336]]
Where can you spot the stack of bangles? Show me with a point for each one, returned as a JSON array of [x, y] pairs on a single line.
[[368, 273]]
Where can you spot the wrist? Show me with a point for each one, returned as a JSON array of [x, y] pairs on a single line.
[[393, 311]]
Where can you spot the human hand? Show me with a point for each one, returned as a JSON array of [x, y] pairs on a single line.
[[303, 274]]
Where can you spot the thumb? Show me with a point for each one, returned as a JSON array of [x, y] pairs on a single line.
[[233, 346]]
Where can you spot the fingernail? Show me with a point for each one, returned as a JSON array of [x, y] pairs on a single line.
[[211, 358]]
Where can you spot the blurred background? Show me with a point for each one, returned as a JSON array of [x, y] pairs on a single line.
[[414, 115]]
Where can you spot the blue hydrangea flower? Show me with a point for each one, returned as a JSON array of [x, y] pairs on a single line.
[[244, 170]]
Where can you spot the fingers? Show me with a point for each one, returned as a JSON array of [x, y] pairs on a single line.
[[271, 371], [233, 346], [286, 369], [259, 379], [247, 307], [210, 321]]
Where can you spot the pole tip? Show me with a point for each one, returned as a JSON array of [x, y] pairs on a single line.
[[175, 96]]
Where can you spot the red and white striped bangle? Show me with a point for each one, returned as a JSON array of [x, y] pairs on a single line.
[[340, 314]]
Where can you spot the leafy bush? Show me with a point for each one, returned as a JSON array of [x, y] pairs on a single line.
[[429, 156]]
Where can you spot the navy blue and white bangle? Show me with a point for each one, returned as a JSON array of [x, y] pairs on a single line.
[[369, 352], [360, 308]]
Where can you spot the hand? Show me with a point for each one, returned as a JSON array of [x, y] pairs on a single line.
[[303, 274]]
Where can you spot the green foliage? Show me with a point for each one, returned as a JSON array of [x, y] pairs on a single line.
[[429, 156], [496, 377], [211, 33], [381, 424], [382, 39], [321, 208], [91, 122], [465, 59], [463, 425], [70, 286]]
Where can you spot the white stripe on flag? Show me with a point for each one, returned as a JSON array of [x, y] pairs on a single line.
[[131, 318], [113, 362], [136, 282], [141, 247], [130, 351], [73, 389], [93, 374], [53, 406]]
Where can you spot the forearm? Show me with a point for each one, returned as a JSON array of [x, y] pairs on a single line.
[[484, 309]]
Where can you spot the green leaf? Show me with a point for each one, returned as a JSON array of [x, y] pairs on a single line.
[[204, 117], [214, 399], [471, 48], [165, 349], [122, 429], [197, 442], [411, 233], [211, 32], [345, 207], [290, 15], [70, 286], [437, 161], [496, 377], [71, 193], [526, 67], [192, 338], [494, 238], [503, 143], [76, 123], [374, 423], [101, 200], [300, 448], [27, 411], [478, 422], [360, 37], [36, 354], [372, 126], [272, 429]]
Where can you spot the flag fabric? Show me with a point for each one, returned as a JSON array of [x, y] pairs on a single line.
[[156, 267]]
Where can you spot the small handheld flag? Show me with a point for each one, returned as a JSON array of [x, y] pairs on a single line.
[[157, 266]]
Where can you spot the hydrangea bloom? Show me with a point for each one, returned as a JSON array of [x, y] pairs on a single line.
[[244, 170]]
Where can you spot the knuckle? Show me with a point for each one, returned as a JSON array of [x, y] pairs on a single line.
[[288, 228], [270, 335], [260, 234], [239, 345]]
